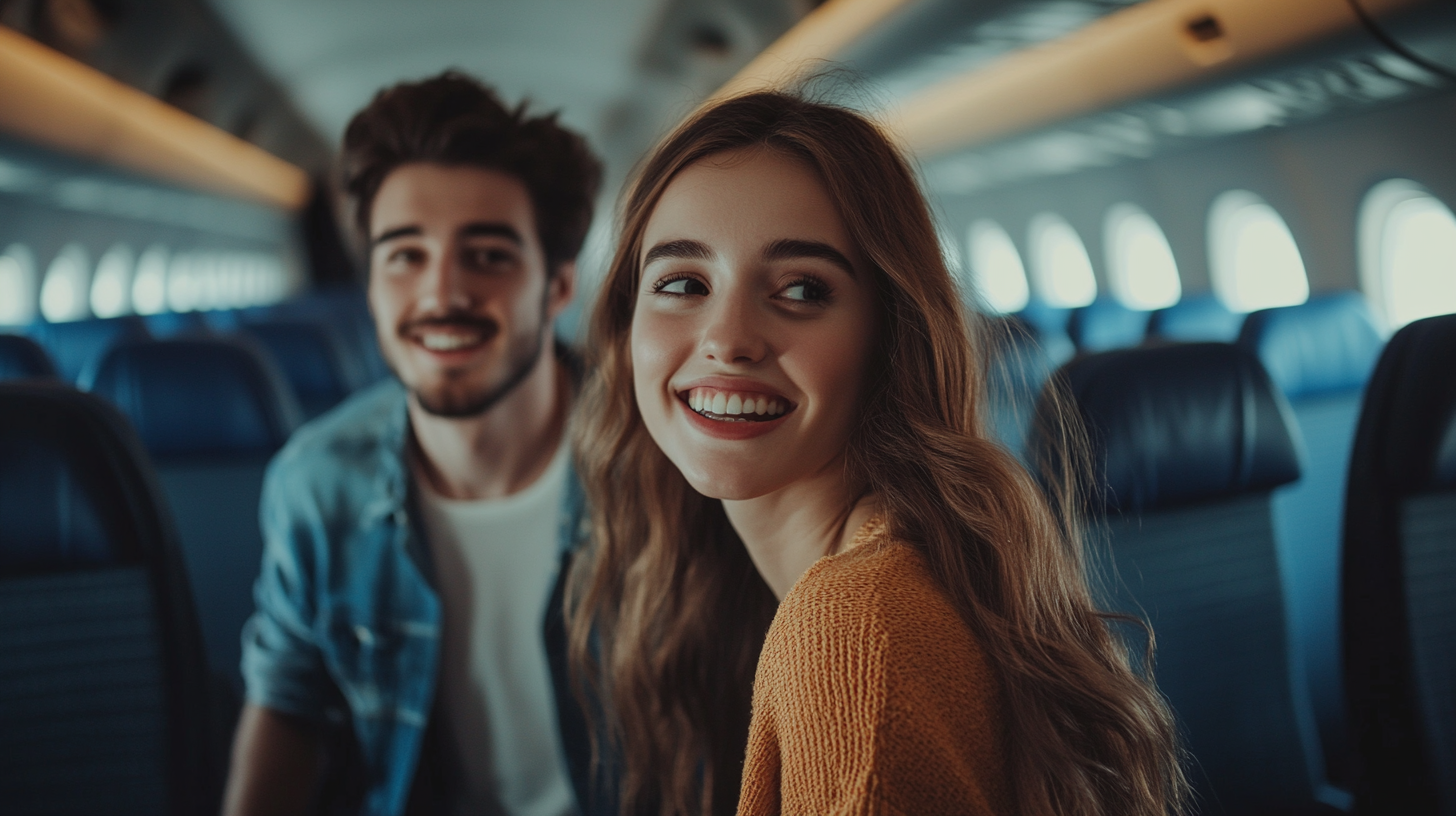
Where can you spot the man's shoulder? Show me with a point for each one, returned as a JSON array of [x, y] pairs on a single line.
[[345, 450]]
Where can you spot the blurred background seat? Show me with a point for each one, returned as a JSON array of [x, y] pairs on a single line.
[[101, 690], [21, 358], [76, 345], [1200, 318], [1104, 324], [1400, 576], [1191, 441], [315, 359], [211, 412], [1018, 368], [1320, 355]]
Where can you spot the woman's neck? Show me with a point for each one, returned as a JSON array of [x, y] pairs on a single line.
[[788, 530]]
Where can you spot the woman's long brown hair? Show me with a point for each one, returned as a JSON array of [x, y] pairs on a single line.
[[668, 613]]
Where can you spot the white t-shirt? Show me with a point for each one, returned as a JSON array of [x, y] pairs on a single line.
[[495, 563]]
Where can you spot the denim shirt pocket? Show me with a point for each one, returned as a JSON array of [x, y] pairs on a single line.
[[384, 666]]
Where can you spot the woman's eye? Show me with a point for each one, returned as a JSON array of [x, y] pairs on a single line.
[[681, 286], [806, 291]]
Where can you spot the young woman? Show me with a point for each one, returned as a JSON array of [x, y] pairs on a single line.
[[796, 506]]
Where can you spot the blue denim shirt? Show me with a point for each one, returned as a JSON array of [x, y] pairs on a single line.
[[348, 620]]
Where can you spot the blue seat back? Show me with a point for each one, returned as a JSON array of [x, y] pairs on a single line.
[[1399, 577], [314, 358], [1018, 367], [1198, 318], [21, 358], [212, 412], [1320, 354], [102, 703], [1104, 324], [1189, 441], [76, 346]]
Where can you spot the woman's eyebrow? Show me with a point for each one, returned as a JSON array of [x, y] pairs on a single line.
[[788, 248], [682, 249]]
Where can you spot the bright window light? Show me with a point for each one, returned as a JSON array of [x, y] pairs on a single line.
[[1407, 252], [65, 294], [1059, 263], [1254, 261], [997, 274], [181, 284], [17, 286], [1140, 264], [111, 287], [149, 284]]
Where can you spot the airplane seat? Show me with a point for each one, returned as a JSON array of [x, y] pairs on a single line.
[[346, 311], [212, 412], [1195, 319], [21, 358], [1399, 578], [102, 708], [313, 357], [1189, 443], [1018, 366], [1320, 355], [76, 345], [167, 325], [1104, 324]]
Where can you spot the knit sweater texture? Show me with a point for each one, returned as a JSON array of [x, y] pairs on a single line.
[[873, 696]]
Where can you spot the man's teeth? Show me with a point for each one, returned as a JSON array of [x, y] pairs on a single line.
[[435, 341], [729, 403]]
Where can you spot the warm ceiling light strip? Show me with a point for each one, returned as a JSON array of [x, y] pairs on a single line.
[[821, 35], [1145, 49], [52, 99]]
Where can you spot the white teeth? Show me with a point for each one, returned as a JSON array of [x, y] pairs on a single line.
[[447, 342], [725, 403]]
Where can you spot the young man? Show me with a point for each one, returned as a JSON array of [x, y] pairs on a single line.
[[415, 538]]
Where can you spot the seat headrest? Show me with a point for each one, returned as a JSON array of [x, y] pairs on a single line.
[[198, 396], [75, 486], [1196, 319], [1181, 424], [1105, 324], [1406, 442], [78, 345], [1329, 343], [21, 358]]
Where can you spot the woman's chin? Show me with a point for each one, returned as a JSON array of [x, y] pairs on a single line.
[[731, 487]]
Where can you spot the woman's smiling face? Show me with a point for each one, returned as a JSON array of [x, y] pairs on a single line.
[[752, 327]]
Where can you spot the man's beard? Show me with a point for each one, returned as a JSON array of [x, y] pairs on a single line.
[[459, 401]]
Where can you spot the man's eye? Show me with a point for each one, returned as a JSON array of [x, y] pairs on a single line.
[[681, 286], [490, 257], [407, 255]]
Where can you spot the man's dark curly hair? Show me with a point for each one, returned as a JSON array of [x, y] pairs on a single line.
[[453, 119]]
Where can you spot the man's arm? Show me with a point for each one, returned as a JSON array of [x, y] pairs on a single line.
[[275, 765]]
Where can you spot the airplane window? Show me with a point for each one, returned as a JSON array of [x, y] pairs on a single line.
[[149, 285], [111, 288], [1059, 263], [1407, 252], [1140, 263], [181, 283], [17, 286], [65, 294], [996, 268], [1254, 261]]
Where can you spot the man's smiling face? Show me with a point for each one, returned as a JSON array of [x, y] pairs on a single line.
[[458, 284]]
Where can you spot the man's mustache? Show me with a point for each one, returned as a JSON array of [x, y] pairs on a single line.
[[484, 326]]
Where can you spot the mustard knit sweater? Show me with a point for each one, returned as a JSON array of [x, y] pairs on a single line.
[[873, 697]]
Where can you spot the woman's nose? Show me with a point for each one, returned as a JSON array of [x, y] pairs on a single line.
[[733, 333]]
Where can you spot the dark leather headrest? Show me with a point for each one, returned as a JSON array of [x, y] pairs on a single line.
[[1181, 424], [21, 358], [1328, 344], [1406, 442], [199, 396], [75, 488], [1105, 324], [1196, 319]]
